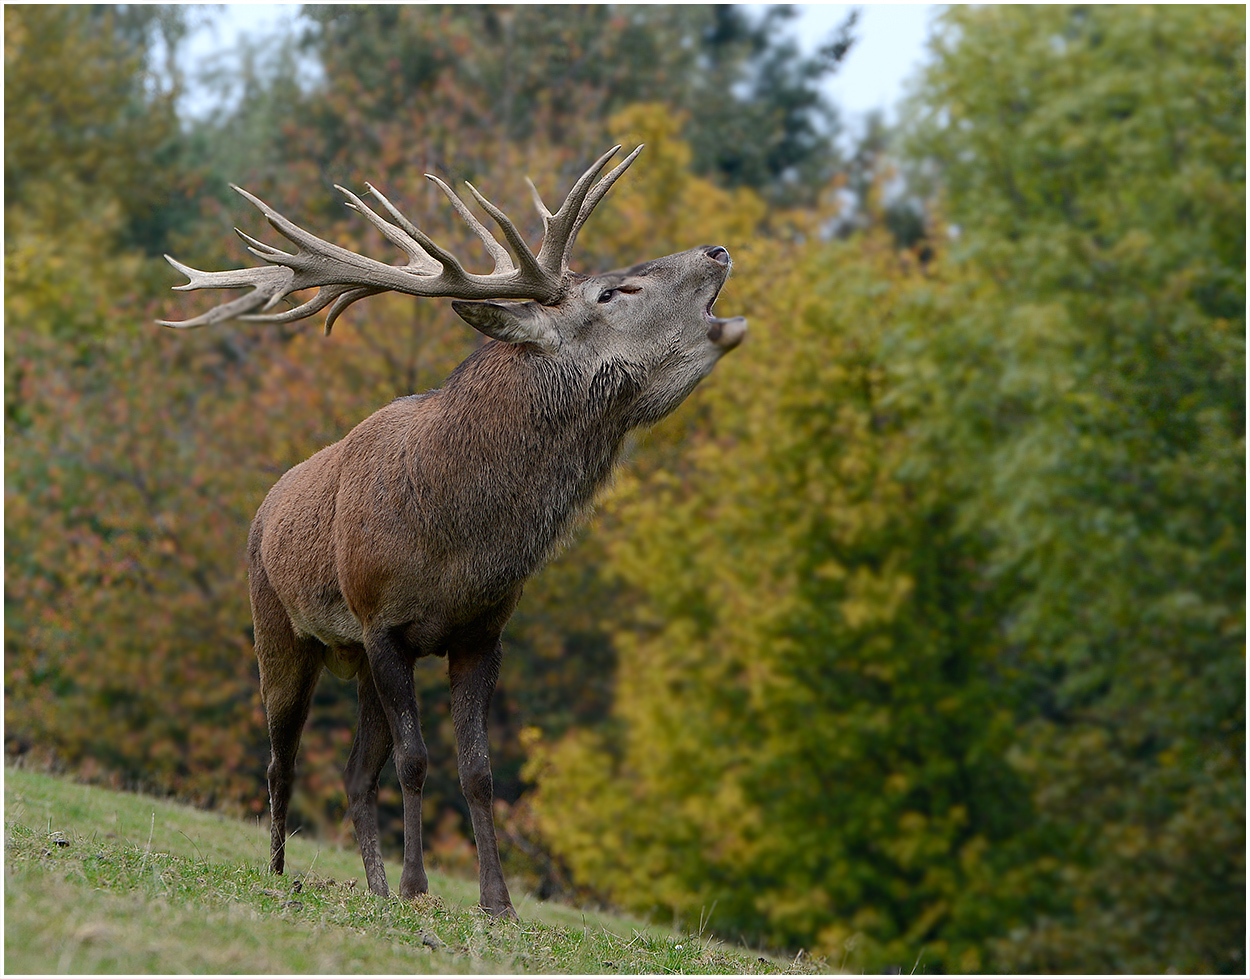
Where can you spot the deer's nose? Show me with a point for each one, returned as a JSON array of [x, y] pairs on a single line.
[[717, 254]]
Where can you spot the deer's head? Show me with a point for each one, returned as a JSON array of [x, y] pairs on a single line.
[[649, 327]]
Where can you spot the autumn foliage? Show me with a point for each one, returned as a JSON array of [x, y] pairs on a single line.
[[915, 636]]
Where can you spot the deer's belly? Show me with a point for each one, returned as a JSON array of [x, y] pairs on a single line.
[[330, 622]]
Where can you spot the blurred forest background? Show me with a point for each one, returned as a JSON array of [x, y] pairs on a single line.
[[915, 637]]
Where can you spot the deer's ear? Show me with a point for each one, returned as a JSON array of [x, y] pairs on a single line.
[[511, 322]]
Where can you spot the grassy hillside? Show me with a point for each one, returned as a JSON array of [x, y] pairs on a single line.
[[102, 881]]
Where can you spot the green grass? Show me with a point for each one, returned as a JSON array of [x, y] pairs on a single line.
[[103, 881]]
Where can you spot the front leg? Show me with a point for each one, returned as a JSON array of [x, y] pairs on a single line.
[[392, 678], [473, 670]]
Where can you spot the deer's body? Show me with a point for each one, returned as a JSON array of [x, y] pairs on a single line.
[[414, 534], [479, 479]]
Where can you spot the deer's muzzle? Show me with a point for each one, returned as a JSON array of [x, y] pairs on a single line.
[[725, 333]]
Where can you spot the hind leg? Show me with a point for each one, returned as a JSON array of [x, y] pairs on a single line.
[[370, 749], [289, 668]]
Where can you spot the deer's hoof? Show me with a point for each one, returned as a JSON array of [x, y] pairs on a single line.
[[504, 912], [427, 903]]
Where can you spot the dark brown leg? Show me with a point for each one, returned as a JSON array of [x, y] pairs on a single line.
[[370, 749], [473, 671], [391, 666], [289, 668]]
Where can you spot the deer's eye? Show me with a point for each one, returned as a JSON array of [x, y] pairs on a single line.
[[627, 289]]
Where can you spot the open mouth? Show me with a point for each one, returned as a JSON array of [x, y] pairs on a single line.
[[725, 333]]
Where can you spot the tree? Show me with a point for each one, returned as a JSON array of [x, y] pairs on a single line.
[[90, 125], [756, 115], [749, 99], [1094, 160]]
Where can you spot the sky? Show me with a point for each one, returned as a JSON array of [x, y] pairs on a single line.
[[890, 45]]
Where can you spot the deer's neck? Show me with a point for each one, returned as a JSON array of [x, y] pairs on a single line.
[[514, 450]]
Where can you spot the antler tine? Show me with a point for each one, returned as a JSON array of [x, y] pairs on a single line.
[[598, 192], [530, 267], [341, 296], [291, 230], [503, 261], [266, 283], [563, 225], [452, 270], [538, 201], [418, 257], [345, 300]]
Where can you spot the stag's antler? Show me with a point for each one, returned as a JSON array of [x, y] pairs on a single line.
[[342, 276]]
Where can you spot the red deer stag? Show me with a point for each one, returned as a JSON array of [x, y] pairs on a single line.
[[413, 535]]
